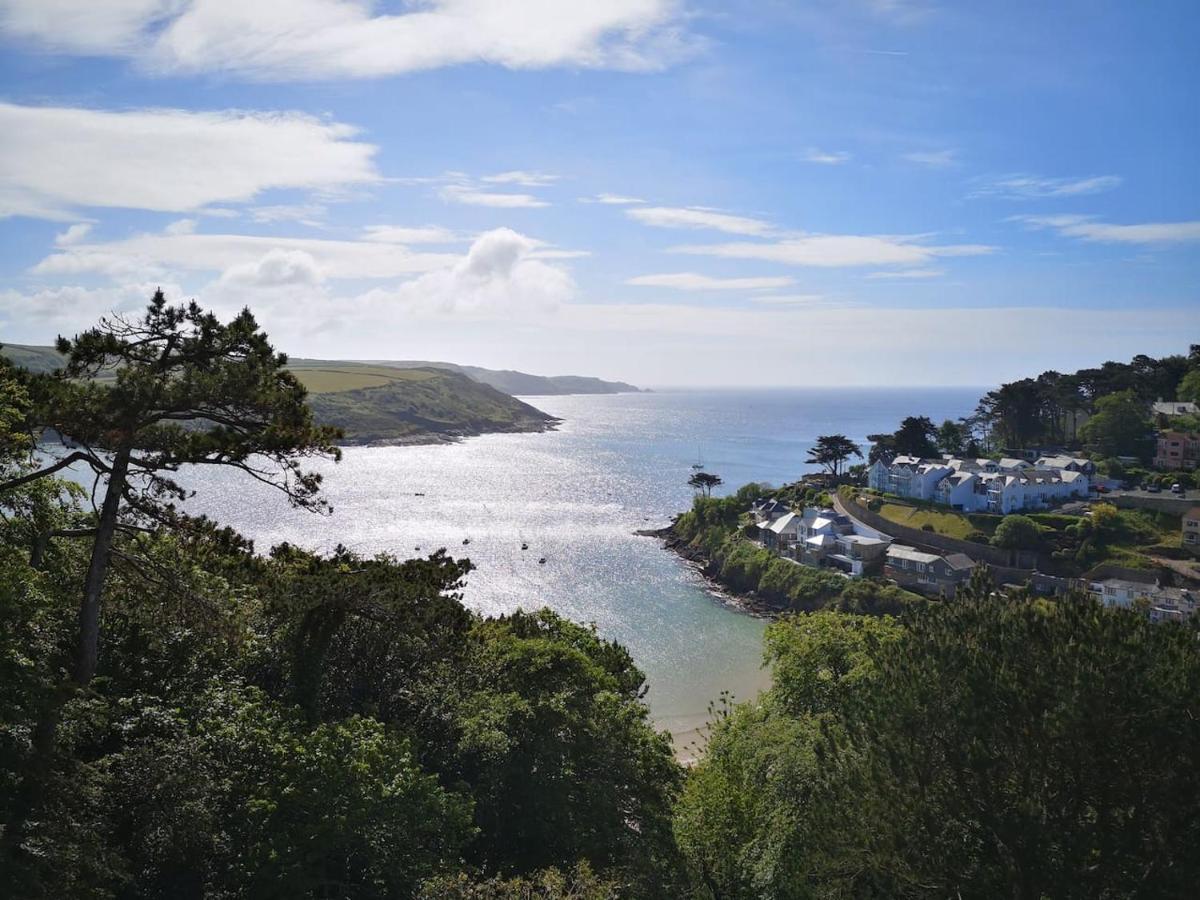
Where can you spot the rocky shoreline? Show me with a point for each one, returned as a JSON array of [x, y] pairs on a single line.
[[750, 604]]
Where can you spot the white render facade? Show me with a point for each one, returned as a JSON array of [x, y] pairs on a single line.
[[982, 485]]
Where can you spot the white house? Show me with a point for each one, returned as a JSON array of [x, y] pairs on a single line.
[[908, 476], [1163, 604], [977, 485], [781, 534], [1175, 408]]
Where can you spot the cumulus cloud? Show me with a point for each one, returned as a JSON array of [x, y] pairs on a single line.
[[839, 250], [692, 281], [498, 275], [1034, 187], [72, 235], [56, 159], [1087, 228], [306, 39], [697, 217], [276, 268]]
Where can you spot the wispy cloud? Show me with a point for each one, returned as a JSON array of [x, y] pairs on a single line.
[[825, 157], [398, 234], [934, 159], [908, 273], [337, 39], [699, 218], [167, 160], [1087, 228], [839, 250], [310, 214], [1034, 187], [464, 194], [612, 200], [692, 281], [522, 178]]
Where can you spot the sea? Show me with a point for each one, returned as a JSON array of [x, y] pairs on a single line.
[[617, 463]]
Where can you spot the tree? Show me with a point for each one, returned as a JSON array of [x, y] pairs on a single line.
[[705, 481], [1120, 427], [831, 452], [916, 436], [1189, 387], [1017, 533], [140, 399], [952, 437]]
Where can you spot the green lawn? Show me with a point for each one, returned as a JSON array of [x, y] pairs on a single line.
[[951, 524]]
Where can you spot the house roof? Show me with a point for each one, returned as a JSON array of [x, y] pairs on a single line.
[[959, 561], [906, 461], [782, 523], [1009, 462], [862, 540], [1193, 513], [1175, 408], [899, 551]]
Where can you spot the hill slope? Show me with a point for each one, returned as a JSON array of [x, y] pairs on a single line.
[[517, 383], [383, 404]]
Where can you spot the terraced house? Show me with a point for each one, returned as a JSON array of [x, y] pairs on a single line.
[[983, 485]]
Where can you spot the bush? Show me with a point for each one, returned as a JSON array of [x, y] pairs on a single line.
[[928, 527], [874, 504]]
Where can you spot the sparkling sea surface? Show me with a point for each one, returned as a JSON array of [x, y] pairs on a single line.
[[617, 463]]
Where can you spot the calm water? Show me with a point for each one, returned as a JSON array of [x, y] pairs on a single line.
[[576, 495]]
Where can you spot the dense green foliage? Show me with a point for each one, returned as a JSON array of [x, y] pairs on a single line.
[[712, 529], [988, 746]]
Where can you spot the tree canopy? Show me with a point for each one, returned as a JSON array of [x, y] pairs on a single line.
[[831, 452]]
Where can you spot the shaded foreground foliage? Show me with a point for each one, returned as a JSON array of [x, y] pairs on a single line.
[[986, 746]]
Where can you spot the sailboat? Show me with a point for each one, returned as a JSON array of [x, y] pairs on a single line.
[[699, 463]]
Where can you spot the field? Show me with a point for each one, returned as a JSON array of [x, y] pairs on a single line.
[[348, 377]]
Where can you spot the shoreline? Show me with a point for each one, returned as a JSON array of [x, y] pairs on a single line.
[[429, 438], [746, 604]]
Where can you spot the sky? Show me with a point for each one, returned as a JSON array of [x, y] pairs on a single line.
[[669, 192]]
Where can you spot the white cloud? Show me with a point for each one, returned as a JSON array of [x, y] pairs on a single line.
[[1033, 187], [908, 273], [612, 200], [72, 235], [788, 300], [498, 276], [148, 255], [181, 226], [522, 178], [697, 217], [309, 214], [460, 193], [935, 159], [276, 268], [838, 250], [1088, 229], [692, 281], [825, 157], [36, 317], [55, 159], [307, 39], [397, 234]]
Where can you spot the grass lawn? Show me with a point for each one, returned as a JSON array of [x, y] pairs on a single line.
[[951, 524]]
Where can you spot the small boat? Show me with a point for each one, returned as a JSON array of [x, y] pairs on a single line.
[[416, 549], [466, 541], [524, 546], [542, 561], [419, 494], [699, 463]]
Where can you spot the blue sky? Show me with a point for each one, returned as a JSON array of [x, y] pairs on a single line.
[[780, 193]]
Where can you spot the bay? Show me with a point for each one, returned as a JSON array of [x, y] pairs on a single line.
[[576, 495]]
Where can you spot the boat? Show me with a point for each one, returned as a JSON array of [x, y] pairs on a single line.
[[524, 546], [466, 541], [699, 463], [542, 561]]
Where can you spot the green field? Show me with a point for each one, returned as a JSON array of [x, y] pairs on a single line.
[[349, 377], [951, 524]]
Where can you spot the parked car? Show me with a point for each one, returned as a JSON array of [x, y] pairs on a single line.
[[1177, 488], [1153, 489]]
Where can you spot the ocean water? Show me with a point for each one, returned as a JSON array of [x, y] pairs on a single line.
[[576, 495]]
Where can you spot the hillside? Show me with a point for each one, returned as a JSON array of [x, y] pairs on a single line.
[[522, 383], [383, 404], [378, 404]]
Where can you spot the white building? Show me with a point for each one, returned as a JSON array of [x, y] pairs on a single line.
[[1162, 604], [981, 485]]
